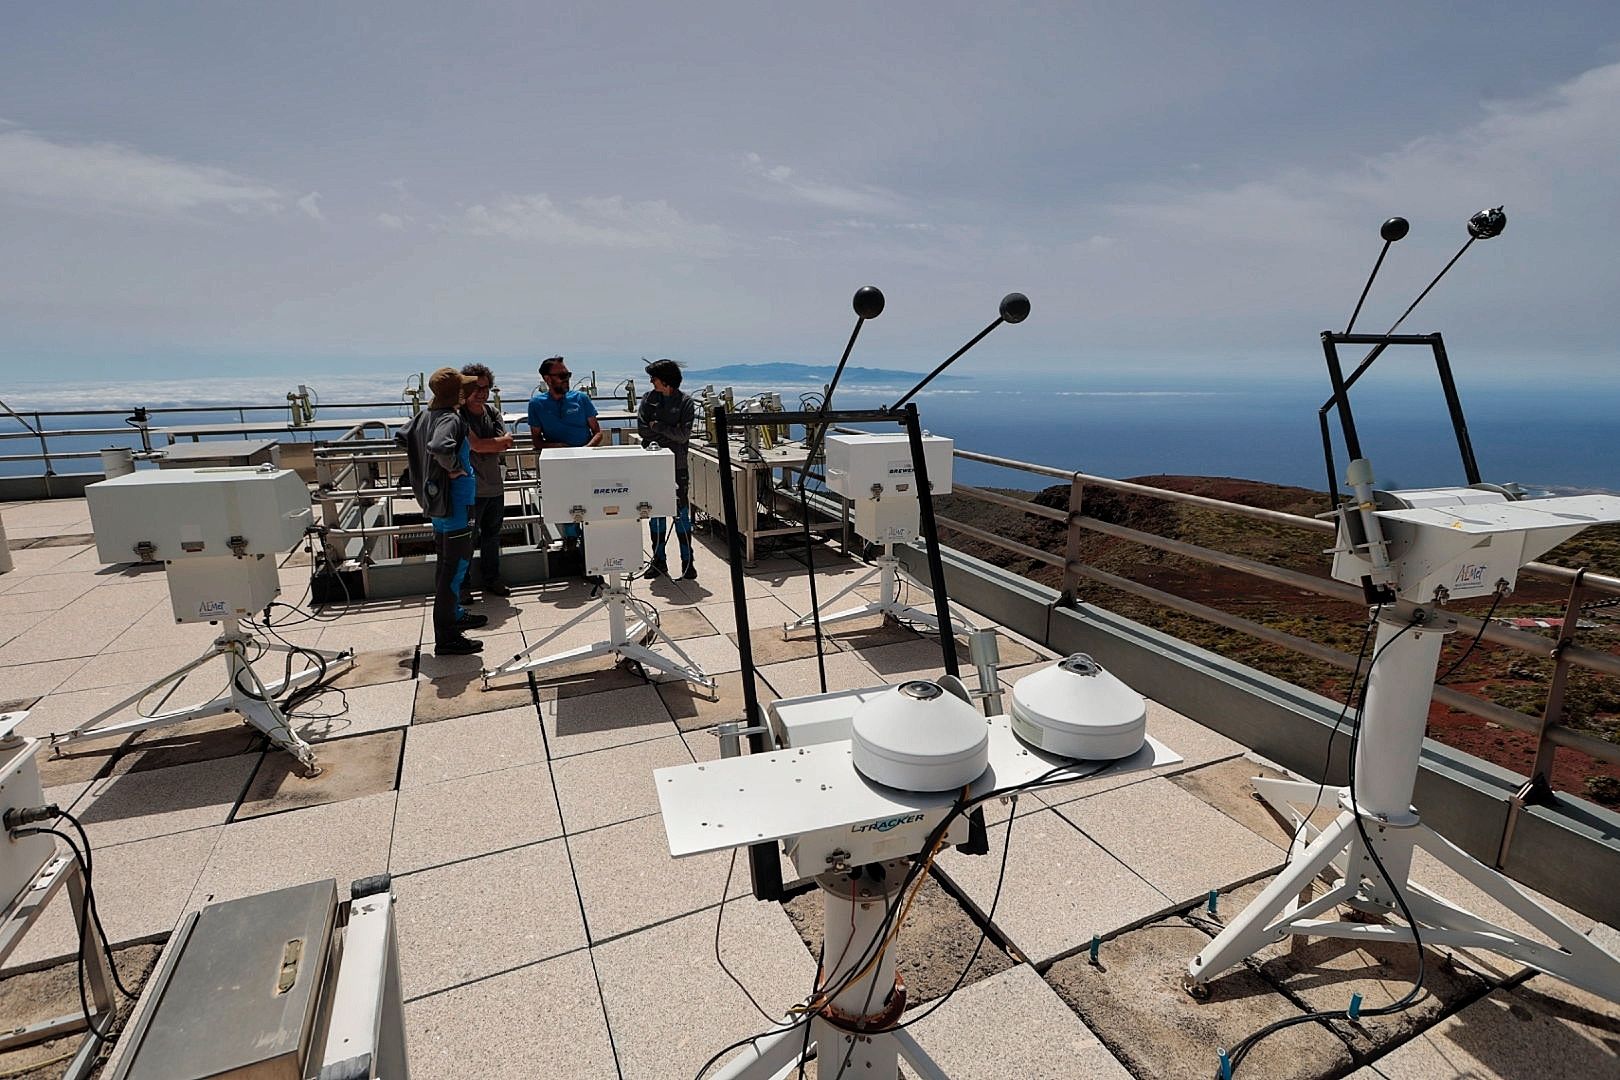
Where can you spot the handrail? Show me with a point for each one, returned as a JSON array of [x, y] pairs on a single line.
[[1564, 651]]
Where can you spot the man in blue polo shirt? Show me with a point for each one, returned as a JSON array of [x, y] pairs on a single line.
[[559, 416]]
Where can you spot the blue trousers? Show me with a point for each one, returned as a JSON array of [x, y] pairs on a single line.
[[452, 550]]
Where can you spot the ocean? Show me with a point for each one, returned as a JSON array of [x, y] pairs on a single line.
[[1546, 437]]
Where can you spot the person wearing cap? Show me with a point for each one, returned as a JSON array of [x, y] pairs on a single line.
[[486, 433], [665, 418], [441, 475], [559, 416]]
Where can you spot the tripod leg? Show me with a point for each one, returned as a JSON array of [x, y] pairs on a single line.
[[1252, 930], [801, 623], [767, 1056]]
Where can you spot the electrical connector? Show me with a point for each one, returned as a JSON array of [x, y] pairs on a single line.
[[20, 816]]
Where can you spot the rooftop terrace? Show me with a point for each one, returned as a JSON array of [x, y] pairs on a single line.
[[544, 929]]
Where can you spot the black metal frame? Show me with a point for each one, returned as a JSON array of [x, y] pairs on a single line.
[[1341, 397], [764, 869]]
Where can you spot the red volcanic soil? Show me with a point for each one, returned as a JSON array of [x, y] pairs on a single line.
[[1490, 673]]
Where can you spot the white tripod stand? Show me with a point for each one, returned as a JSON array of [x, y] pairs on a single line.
[[245, 693], [626, 639], [1439, 541], [887, 570]]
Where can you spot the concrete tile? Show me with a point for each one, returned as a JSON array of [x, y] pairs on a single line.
[[764, 613], [692, 711], [1134, 1001], [140, 805], [205, 739], [919, 659], [551, 1010], [612, 785], [796, 678], [498, 648], [1542, 1028], [378, 666], [712, 655], [15, 624], [577, 725], [339, 713], [158, 627], [470, 745], [374, 636], [78, 762], [464, 695], [131, 668], [1060, 887], [60, 637], [592, 676], [770, 647], [1197, 744], [345, 841], [1182, 846], [1226, 786], [681, 623], [350, 769], [37, 679], [141, 891], [491, 811], [1324, 973], [379, 610], [871, 632], [1013, 1024], [475, 918], [551, 605], [628, 880], [670, 1025]]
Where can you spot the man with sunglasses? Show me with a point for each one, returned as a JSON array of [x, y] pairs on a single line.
[[559, 416], [486, 432]]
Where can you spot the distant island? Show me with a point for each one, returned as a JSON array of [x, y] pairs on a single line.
[[808, 373]]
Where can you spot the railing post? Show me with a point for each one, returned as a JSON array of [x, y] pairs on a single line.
[[1539, 786], [1071, 546]]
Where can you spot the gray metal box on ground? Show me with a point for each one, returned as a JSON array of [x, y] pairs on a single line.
[[225, 452], [243, 992]]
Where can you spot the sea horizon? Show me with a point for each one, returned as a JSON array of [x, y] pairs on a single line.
[[1265, 428]]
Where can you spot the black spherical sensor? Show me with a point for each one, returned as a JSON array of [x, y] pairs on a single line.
[[1487, 223], [868, 301], [1393, 229], [1014, 307]]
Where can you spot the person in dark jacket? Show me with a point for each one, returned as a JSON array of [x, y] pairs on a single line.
[[441, 476], [665, 418], [486, 431]]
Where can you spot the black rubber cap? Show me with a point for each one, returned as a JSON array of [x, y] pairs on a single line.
[[1487, 223], [868, 301], [1393, 229], [1015, 307]]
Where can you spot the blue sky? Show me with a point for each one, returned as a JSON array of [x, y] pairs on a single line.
[[316, 187]]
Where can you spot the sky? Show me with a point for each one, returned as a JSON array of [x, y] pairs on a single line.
[[214, 188]]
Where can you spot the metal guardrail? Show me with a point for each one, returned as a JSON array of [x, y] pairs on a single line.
[[1565, 652]]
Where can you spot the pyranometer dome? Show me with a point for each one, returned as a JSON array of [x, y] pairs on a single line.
[[1075, 709], [918, 737]]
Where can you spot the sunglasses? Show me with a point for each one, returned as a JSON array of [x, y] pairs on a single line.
[[560, 375]]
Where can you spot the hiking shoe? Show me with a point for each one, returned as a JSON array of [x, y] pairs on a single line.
[[688, 571], [469, 621], [656, 569], [495, 588], [460, 645]]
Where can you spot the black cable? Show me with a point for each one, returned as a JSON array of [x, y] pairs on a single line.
[[1050, 778], [720, 916], [1349, 698], [984, 932], [90, 900], [1483, 623]]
